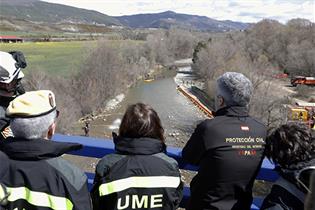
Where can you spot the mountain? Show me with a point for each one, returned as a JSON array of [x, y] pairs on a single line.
[[40, 11], [170, 19], [39, 14]]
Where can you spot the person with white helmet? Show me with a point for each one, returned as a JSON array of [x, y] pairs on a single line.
[[11, 64]]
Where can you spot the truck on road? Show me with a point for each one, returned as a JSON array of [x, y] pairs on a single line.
[[301, 80]]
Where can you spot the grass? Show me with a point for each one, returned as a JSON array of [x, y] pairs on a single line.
[[56, 58]]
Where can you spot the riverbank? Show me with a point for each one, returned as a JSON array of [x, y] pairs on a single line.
[[103, 121], [178, 115]]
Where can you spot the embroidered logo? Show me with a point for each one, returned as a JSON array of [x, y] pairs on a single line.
[[244, 128], [7, 132]]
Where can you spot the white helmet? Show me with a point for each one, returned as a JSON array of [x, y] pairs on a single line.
[[10, 66]]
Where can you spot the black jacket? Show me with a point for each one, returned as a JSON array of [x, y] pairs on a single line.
[[287, 193], [5, 130], [138, 176], [4, 167], [229, 151], [38, 178]]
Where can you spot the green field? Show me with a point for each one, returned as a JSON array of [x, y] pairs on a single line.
[[57, 58]]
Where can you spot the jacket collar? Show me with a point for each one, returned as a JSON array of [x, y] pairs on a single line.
[[292, 172], [4, 101], [35, 149], [233, 111], [138, 146]]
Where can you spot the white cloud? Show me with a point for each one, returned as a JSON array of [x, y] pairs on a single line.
[[237, 10]]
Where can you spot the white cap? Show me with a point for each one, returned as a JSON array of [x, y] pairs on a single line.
[[8, 68]]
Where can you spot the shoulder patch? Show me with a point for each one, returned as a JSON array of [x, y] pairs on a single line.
[[7, 132]]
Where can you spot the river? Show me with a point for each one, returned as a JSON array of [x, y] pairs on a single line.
[[178, 115]]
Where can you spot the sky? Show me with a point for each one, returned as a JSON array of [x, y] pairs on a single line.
[[236, 10]]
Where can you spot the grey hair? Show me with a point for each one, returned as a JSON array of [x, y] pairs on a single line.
[[235, 88], [32, 128]]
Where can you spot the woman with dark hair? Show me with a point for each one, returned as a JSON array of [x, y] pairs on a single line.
[[291, 148], [139, 175]]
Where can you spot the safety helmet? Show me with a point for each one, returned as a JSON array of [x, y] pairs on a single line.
[[10, 73], [11, 65]]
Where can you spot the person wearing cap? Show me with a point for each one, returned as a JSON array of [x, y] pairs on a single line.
[[228, 149], [292, 148], [38, 178], [11, 65]]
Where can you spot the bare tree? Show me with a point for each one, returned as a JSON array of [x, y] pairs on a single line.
[[69, 110]]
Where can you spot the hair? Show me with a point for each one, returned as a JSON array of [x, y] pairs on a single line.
[[32, 128], [141, 120], [290, 144], [235, 88]]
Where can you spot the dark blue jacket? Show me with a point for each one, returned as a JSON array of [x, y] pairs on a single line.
[[139, 176], [38, 178]]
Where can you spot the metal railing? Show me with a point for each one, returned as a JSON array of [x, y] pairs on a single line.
[[97, 148]]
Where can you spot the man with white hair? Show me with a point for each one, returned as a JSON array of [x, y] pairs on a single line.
[[228, 149], [38, 178], [11, 65]]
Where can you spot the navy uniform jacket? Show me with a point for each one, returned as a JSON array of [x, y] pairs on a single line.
[[38, 178], [139, 176], [287, 193], [4, 164], [5, 130], [4, 167], [229, 151]]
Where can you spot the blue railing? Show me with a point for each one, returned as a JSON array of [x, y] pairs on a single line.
[[97, 148]]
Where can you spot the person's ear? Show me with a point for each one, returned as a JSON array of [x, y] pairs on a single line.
[[51, 130], [221, 101]]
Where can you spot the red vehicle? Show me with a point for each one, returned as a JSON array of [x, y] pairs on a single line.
[[280, 76], [301, 80]]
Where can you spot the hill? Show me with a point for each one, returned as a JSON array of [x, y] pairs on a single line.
[[30, 15], [170, 19], [40, 11]]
